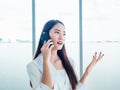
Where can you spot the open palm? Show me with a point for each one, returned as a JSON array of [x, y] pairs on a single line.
[[95, 59]]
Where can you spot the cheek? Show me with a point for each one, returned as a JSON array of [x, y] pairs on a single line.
[[54, 39], [53, 36]]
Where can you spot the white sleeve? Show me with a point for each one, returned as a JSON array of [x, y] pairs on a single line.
[[35, 77]]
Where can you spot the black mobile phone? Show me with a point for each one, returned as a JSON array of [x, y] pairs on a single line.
[[45, 37]]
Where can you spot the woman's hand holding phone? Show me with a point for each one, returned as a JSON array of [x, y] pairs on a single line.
[[46, 50]]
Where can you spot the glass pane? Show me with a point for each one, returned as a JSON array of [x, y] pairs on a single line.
[[15, 43], [66, 11], [101, 33]]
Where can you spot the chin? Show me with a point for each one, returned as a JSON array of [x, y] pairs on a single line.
[[58, 48]]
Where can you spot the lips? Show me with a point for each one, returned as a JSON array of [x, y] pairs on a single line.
[[60, 43]]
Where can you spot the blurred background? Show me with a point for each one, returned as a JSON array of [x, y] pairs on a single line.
[[100, 32]]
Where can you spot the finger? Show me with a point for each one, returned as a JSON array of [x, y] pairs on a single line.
[[49, 44], [95, 55], [51, 47], [46, 43], [100, 56], [49, 41]]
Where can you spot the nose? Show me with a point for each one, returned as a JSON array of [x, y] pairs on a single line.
[[61, 36]]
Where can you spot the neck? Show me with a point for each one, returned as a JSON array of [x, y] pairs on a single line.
[[54, 52], [54, 55], [55, 60]]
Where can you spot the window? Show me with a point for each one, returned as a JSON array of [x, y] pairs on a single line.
[[15, 43], [101, 33]]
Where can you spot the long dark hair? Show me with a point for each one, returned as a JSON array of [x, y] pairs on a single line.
[[61, 53]]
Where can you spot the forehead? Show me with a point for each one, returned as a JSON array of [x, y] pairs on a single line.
[[58, 27]]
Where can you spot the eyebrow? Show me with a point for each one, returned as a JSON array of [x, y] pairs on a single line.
[[59, 30]]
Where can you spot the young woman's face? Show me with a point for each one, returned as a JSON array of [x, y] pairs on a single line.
[[57, 34]]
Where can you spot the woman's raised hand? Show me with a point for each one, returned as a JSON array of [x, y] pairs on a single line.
[[46, 49], [94, 61]]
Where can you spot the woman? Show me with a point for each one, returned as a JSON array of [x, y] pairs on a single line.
[[51, 68]]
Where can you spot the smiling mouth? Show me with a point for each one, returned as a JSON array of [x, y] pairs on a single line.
[[59, 43]]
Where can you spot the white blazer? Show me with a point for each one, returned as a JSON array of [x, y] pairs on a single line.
[[60, 78]]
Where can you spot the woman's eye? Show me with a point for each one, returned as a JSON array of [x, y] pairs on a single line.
[[57, 32]]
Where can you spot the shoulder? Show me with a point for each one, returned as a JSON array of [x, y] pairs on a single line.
[[31, 65], [35, 64]]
